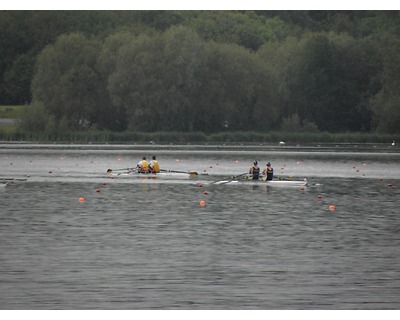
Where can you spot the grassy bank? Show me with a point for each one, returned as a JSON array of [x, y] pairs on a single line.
[[13, 134], [11, 112], [9, 115]]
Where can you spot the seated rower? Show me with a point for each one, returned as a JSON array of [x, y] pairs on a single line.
[[143, 166], [269, 172], [255, 170], [154, 166]]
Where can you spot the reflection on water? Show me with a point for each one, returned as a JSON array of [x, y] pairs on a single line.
[[148, 244]]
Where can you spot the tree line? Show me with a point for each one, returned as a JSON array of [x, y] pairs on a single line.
[[203, 70]]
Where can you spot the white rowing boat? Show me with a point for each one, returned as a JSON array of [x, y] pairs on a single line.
[[5, 181], [270, 183], [161, 175]]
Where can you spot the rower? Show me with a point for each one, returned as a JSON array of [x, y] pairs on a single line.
[[255, 170], [154, 167], [143, 166], [269, 171]]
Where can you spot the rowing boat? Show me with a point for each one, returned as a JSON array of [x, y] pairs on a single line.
[[160, 175], [5, 181], [12, 179], [270, 183]]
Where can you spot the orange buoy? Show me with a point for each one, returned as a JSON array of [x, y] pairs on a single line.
[[332, 207], [81, 199], [202, 203]]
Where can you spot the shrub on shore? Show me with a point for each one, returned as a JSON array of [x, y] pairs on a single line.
[[13, 134]]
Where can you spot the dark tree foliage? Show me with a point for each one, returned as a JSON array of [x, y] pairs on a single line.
[[202, 70]]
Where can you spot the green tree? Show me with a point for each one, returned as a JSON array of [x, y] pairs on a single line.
[[317, 82], [357, 67], [246, 29], [13, 47], [245, 88], [155, 78], [17, 79], [35, 118], [111, 115], [386, 103], [326, 79], [135, 87], [66, 80], [283, 60]]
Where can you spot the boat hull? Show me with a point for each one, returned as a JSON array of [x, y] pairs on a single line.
[[269, 183], [160, 175]]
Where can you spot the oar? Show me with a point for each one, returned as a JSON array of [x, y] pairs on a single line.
[[230, 179], [124, 169], [192, 173]]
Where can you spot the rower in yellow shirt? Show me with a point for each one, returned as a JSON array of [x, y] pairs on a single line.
[[154, 166], [143, 166]]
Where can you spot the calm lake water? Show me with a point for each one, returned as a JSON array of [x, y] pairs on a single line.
[[148, 244]]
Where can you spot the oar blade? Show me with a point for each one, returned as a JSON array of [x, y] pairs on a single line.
[[123, 169]]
